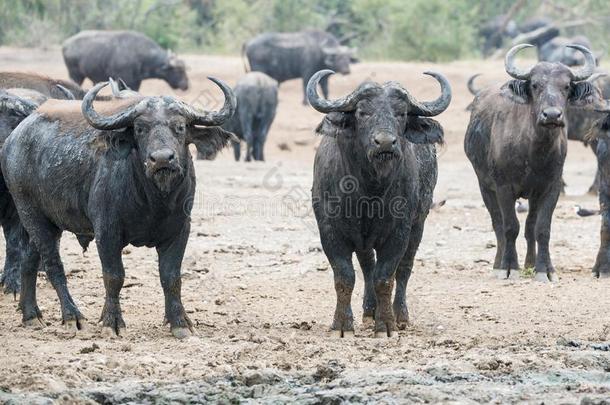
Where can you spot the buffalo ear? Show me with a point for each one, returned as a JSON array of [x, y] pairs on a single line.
[[424, 131], [210, 140], [119, 143], [518, 91], [583, 93], [336, 124]]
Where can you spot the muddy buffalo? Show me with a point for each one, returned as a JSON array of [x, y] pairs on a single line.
[[580, 120], [120, 173], [47, 86], [374, 175], [516, 141], [15, 106], [128, 55], [601, 137], [256, 105], [286, 56]]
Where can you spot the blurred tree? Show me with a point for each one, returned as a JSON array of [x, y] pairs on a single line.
[[436, 30]]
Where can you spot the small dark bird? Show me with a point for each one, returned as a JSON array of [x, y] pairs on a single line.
[[521, 207], [584, 212]]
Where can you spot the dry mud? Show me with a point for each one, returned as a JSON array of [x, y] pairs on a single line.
[[260, 291]]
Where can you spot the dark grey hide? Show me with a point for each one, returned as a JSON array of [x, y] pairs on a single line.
[[286, 56], [13, 109], [122, 176], [516, 141], [256, 105], [128, 55], [374, 175]]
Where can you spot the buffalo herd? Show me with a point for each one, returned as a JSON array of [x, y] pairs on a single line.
[[116, 169]]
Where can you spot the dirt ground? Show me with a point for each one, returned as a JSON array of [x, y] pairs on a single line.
[[261, 295]]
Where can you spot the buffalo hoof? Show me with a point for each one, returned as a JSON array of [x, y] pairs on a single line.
[[74, 324], [384, 334], [342, 334], [368, 321], [110, 332], [181, 332], [542, 277], [33, 323], [500, 274], [514, 275], [10, 285]]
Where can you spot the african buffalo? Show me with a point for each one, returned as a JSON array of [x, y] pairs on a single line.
[[285, 56], [127, 55], [581, 120], [557, 50], [15, 106], [122, 175], [493, 33], [516, 141], [48, 87], [256, 104], [374, 175], [601, 136]]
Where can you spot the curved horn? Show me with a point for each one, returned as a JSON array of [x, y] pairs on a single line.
[[596, 76], [114, 87], [432, 108], [470, 84], [587, 70], [116, 121], [211, 118], [67, 93], [345, 104], [11, 102], [509, 63]]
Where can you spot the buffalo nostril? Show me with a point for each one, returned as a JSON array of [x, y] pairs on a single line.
[[377, 142], [151, 158], [394, 141]]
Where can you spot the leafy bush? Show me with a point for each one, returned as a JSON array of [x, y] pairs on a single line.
[[435, 30]]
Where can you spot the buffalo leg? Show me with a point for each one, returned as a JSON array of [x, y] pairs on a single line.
[[345, 278], [30, 261], [170, 263], [114, 276], [546, 206], [388, 259], [236, 150], [366, 259], [602, 263], [530, 234], [46, 237], [491, 203], [13, 236], [510, 225], [403, 273]]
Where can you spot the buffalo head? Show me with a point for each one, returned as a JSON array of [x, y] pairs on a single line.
[[174, 72], [13, 110], [338, 58], [549, 87], [377, 120], [160, 129]]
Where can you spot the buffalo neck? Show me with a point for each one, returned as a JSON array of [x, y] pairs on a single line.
[[546, 143]]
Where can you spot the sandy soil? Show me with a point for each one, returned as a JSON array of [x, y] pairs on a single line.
[[260, 291]]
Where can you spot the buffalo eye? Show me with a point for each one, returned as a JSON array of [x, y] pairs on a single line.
[[535, 86], [180, 128], [363, 114], [139, 130]]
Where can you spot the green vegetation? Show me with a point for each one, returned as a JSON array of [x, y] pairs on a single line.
[[435, 30]]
